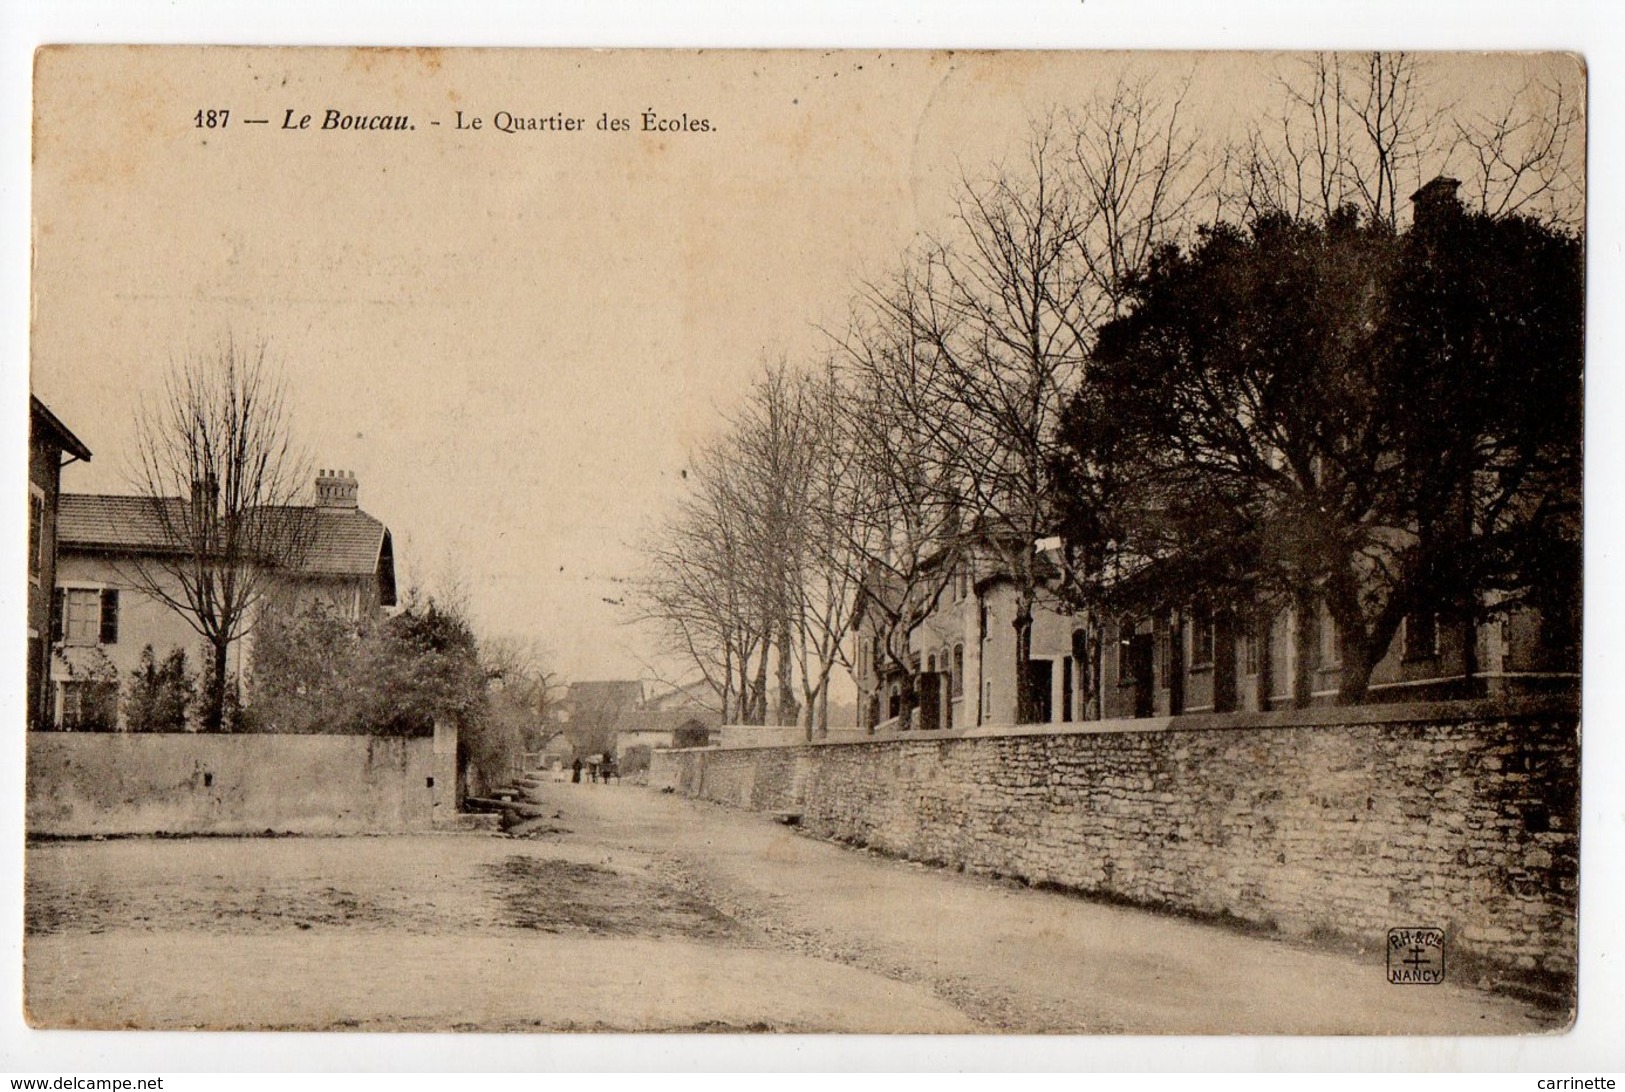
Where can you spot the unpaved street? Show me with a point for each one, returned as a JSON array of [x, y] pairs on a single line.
[[648, 912]]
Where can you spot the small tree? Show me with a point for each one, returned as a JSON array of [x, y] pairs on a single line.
[[159, 695], [220, 475], [636, 759], [303, 677]]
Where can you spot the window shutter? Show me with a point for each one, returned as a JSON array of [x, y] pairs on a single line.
[[59, 610], [109, 634]]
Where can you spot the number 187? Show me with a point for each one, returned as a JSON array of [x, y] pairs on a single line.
[[211, 119]]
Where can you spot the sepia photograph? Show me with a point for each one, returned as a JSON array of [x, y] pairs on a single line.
[[769, 542]]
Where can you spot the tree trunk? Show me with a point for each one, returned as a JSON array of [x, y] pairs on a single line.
[[1264, 645], [789, 707], [1362, 647], [214, 709], [1358, 659], [1303, 637], [758, 696]]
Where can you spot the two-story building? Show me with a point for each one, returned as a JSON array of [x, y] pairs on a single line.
[[104, 618], [959, 653]]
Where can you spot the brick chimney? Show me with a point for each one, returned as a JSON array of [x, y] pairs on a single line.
[[1436, 202], [337, 489]]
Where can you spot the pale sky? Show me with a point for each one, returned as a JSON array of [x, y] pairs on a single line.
[[514, 339]]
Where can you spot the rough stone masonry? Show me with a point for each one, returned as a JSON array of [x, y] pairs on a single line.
[[1460, 816]]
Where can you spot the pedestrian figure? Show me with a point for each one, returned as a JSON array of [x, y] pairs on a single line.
[[575, 772]]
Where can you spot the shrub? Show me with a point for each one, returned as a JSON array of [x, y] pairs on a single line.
[[160, 695]]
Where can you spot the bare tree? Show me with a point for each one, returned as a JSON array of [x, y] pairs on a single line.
[[1353, 129], [1369, 129], [520, 692], [1525, 159], [697, 591], [830, 555], [217, 468], [998, 315], [751, 576], [904, 512]]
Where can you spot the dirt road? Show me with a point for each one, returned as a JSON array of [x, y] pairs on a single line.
[[649, 912]]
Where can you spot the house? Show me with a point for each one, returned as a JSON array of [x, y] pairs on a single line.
[[959, 670], [663, 728], [590, 711], [51, 446], [104, 616]]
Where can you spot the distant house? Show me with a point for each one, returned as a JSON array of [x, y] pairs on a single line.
[[50, 447], [958, 666], [103, 619], [590, 711], [658, 728]]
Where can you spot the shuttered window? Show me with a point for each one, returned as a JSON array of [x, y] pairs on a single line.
[[87, 616]]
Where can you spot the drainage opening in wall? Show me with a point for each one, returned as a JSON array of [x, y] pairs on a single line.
[[208, 780], [428, 782]]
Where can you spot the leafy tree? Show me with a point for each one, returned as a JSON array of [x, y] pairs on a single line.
[[303, 673], [421, 665], [636, 759], [1322, 411], [159, 695]]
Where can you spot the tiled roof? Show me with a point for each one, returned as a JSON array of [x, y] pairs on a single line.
[[110, 522], [347, 541], [613, 692], [666, 720]]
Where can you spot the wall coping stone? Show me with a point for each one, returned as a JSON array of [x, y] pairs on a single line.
[[1527, 707]]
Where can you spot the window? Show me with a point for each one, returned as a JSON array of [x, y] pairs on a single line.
[[1249, 653], [959, 671], [1202, 636], [1328, 641], [90, 706], [87, 616], [36, 532], [1066, 688], [864, 655], [1127, 668], [109, 626], [1421, 636]]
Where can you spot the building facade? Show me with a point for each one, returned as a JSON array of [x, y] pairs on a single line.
[[105, 614], [50, 447], [961, 663]]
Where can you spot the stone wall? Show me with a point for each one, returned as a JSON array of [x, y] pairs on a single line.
[[84, 783], [1456, 815]]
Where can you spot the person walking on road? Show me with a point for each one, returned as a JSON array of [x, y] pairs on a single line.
[[575, 772]]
